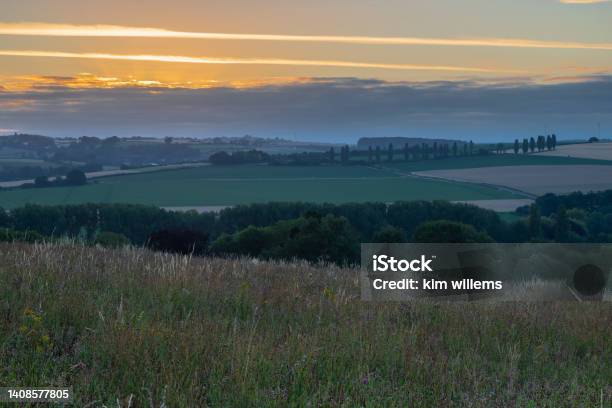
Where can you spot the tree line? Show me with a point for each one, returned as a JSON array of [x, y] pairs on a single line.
[[377, 154], [539, 144], [319, 231]]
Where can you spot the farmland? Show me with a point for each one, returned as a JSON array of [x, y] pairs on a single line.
[[535, 180], [150, 329], [601, 151], [221, 185], [210, 186], [494, 161]]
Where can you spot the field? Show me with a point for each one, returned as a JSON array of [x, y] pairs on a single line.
[[218, 186], [12, 162], [222, 186], [534, 179], [493, 161], [133, 328], [601, 151]]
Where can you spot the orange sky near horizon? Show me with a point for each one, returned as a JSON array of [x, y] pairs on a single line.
[[524, 38]]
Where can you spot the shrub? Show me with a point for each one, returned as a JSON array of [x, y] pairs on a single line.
[[76, 178], [443, 231], [109, 239], [389, 234]]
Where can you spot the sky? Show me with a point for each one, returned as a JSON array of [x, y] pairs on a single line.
[[485, 70]]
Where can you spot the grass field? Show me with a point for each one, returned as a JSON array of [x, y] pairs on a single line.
[[160, 330], [220, 186]]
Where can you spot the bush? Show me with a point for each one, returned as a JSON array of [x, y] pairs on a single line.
[[389, 234], [109, 239], [75, 178], [41, 181], [311, 237], [443, 231]]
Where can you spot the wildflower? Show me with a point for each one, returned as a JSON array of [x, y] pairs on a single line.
[[329, 293]]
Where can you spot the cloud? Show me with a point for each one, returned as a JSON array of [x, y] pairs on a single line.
[[340, 109], [65, 30], [583, 1], [248, 61]]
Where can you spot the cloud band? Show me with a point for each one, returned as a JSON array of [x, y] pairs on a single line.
[[61, 30], [248, 61]]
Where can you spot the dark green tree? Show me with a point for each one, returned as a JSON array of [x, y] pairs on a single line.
[[516, 146], [535, 222], [41, 181], [562, 225], [540, 143], [75, 178], [344, 154], [442, 231], [389, 234]]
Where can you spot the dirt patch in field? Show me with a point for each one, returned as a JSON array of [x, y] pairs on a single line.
[[535, 180]]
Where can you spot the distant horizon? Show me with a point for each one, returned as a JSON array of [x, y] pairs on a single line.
[[303, 141]]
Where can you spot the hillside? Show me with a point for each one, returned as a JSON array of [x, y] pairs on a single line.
[[156, 329]]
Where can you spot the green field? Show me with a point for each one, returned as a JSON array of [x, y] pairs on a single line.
[[219, 186], [231, 185], [12, 162]]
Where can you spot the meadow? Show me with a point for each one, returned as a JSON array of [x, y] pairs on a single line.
[[231, 185], [133, 328]]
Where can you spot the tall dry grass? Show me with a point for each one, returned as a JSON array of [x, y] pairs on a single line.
[[134, 328]]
